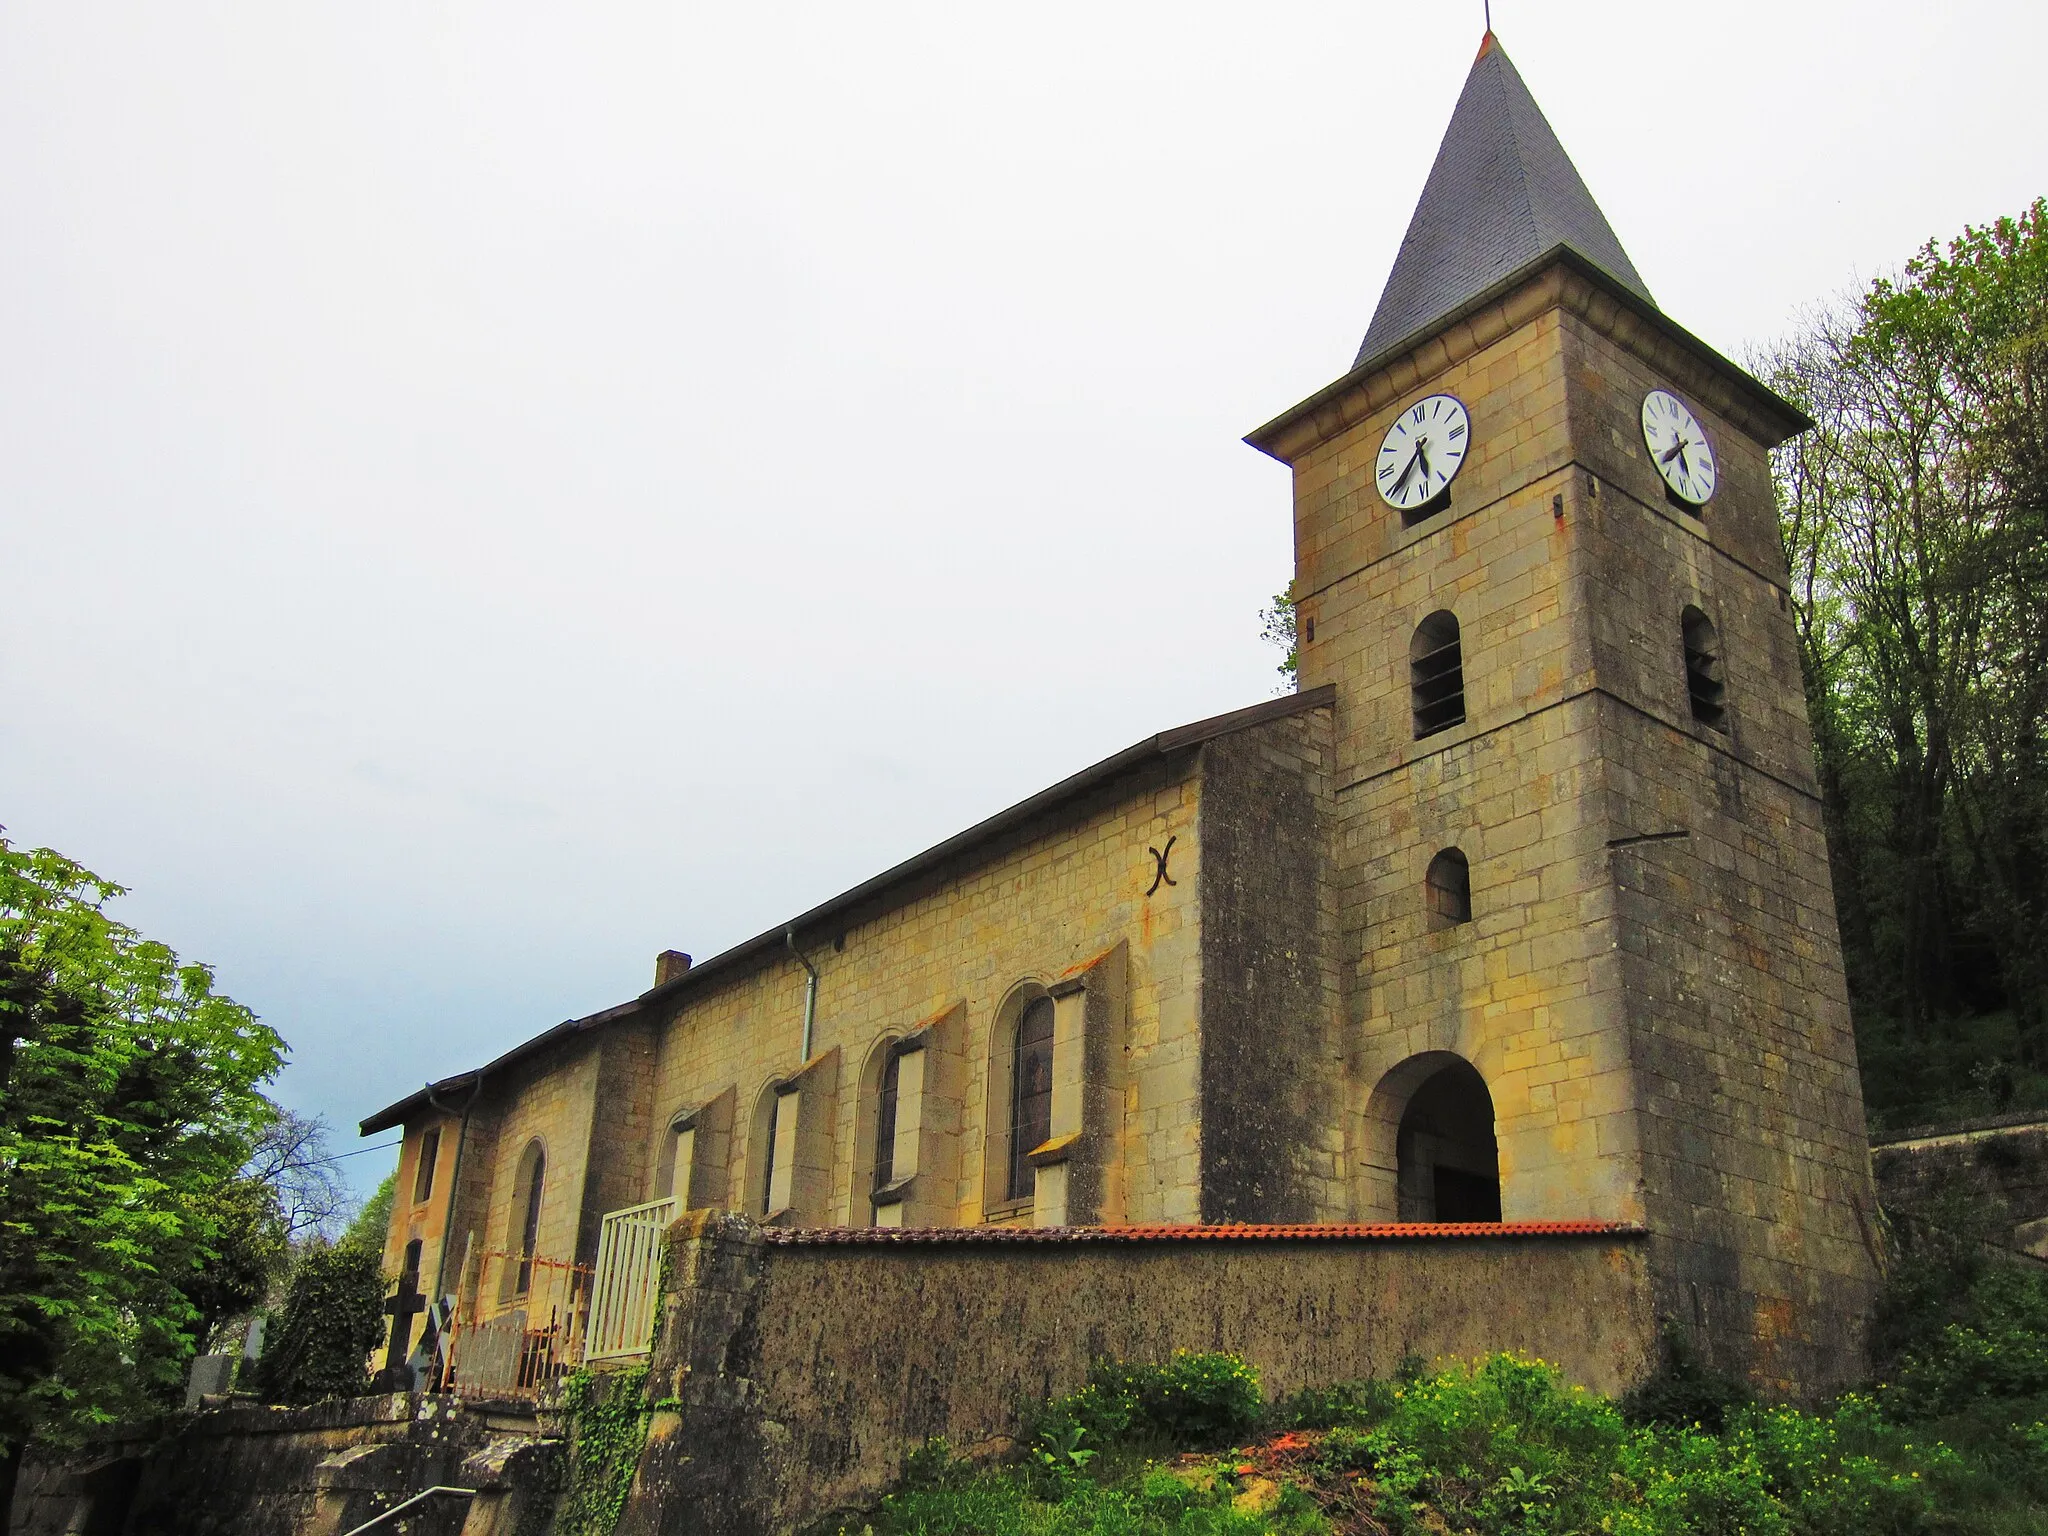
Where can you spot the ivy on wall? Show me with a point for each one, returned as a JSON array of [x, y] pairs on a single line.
[[607, 1430]]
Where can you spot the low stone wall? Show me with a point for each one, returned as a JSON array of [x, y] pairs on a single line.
[[2002, 1160], [801, 1365], [244, 1470]]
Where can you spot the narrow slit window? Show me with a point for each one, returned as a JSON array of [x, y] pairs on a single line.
[[768, 1158], [885, 1120], [430, 1154], [1030, 1095], [1706, 682], [529, 1225], [1449, 888], [1436, 670]]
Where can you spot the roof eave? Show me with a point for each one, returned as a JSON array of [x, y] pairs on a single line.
[[1266, 438]]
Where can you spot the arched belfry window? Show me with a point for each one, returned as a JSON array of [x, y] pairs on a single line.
[[1436, 671], [1449, 1161], [1448, 886], [1030, 1094], [1706, 683]]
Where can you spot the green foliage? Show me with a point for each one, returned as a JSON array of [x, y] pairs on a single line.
[[1916, 521], [999, 1504], [373, 1221], [1060, 1456], [248, 1250], [1277, 626], [1995, 1346], [933, 1465], [1683, 1392], [607, 1431], [1193, 1399], [1348, 1403], [128, 1105], [1473, 1441], [332, 1317], [1499, 1447]]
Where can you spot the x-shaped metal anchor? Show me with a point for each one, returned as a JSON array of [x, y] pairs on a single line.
[[1159, 858]]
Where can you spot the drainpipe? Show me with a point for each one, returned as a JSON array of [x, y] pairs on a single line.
[[810, 991], [454, 1179]]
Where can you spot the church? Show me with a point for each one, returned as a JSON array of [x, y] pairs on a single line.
[[1516, 914]]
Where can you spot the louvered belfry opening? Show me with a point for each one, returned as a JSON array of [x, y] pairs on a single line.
[[1705, 682], [1436, 670]]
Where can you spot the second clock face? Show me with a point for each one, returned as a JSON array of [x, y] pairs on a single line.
[[1422, 452], [1678, 447]]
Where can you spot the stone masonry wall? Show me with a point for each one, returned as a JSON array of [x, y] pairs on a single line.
[[803, 1369], [1272, 1048], [1755, 1162], [1044, 906]]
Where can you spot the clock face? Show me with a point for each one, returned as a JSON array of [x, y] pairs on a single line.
[[1422, 452], [1678, 447]]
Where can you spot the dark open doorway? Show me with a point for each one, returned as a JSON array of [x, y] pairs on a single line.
[[1448, 1159]]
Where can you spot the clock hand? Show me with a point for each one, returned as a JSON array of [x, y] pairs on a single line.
[[1675, 450], [1422, 453], [1406, 471]]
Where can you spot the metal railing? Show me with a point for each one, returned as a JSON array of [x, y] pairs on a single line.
[[417, 1499], [626, 1287], [522, 1330]]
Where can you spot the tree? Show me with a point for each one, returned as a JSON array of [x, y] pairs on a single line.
[[248, 1253], [333, 1316], [1277, 624], [292, 1158], [1916, 524], [372, 1222], [128, 1100]]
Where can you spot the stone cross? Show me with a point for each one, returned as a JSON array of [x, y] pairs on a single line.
[[403, 1305]]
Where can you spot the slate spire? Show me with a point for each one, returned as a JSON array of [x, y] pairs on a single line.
[[1502, 193]]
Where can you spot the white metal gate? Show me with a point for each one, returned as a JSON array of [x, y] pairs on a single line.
[[626, 1287]]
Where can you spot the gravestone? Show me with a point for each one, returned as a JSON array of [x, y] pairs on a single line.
[[211, 1376]]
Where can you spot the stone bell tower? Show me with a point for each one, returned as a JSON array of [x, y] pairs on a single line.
[[1581, 870]]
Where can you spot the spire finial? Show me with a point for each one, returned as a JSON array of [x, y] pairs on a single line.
[[1486, 42]]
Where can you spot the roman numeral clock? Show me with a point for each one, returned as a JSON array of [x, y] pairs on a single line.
[[1421, 454], [1678, 447]]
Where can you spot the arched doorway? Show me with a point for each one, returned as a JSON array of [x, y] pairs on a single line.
[[1447, 1159]]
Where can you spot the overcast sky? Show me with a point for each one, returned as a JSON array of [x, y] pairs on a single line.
[[488, 493]]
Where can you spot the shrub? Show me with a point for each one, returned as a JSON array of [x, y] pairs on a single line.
[[1194, 1400], [333, 1316], [1683, 1391], [1493, 1444], [1996, 1348], [1348, 1404]]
